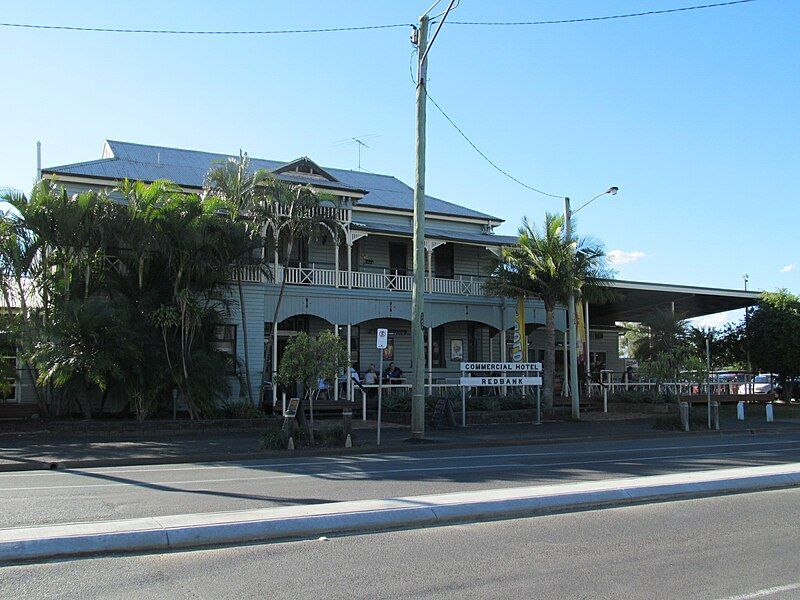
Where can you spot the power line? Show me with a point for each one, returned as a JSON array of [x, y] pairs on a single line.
[[363, 27], [603, 18], [486, 158], [205, 32]]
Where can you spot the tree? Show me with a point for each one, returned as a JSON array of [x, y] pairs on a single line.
[[307, 360], [727, 345], [243, 190], [125, 295], [544, 265], [86, 347], [292, 212], [664, 349], [774, 333]]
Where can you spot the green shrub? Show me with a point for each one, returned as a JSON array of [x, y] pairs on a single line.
[[330, 436], [272, 440], [238, 409]]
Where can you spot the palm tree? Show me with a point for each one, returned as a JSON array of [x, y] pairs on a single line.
[[233, 181], [292, 213], [544, 265]]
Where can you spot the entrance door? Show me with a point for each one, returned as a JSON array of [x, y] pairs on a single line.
[[398, 259]]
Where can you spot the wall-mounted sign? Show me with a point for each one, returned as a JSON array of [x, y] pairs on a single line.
[[501, 366]]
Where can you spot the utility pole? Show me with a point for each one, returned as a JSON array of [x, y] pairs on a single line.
[[571, 327], [420, 39], [418, 285]]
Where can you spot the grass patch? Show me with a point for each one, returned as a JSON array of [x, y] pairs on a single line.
[[672, 421]]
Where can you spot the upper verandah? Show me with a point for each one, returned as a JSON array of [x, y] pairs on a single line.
[[188, 168]]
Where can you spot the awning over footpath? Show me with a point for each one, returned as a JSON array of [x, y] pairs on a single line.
[[636, 300]]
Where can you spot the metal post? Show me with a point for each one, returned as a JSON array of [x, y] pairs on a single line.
[[380, 393], [588, 358], [504, 356], [418, 287], [336, 263], [274, 363], [336, 377], [571, 326], [430, 357], [708, 379], [565, 385], [463, 402], [538, 404], [349, 380], [349, 264]]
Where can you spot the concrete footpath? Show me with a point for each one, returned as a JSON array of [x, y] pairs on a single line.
[[297, 522], [30, 451]]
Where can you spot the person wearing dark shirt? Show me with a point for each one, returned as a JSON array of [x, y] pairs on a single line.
[[392, 372]]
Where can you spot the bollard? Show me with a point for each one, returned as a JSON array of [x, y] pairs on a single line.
[[715, 415], [740, 411], [290, 445], [684, 409], [348, 443], [770, 413]]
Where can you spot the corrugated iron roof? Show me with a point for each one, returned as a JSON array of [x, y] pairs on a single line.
[[188, 168], [487, 239]]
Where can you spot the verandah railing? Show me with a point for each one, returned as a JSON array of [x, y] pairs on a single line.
[[385, 280]]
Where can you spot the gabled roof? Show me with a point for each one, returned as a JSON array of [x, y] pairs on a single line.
[[306, 166], [188, 168]]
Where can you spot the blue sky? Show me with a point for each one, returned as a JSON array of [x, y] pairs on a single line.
[[695, 116]]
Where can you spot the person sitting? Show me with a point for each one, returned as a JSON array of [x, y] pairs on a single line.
[[371, 376], [393, 373]]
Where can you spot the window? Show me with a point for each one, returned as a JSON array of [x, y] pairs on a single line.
[[224, 340], [443, 261], [388, 352], [355, 347], [597, 361], [474, 343], [437, 336]]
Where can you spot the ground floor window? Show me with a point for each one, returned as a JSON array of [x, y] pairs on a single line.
[[437, 336], [224, 340], [388, 352], [355, 347], [597, 362]]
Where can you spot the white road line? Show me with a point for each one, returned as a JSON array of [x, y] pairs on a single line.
[[360, 474], [377, 458], [766, 592]]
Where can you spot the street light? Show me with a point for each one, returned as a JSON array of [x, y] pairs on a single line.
[[571, 325]]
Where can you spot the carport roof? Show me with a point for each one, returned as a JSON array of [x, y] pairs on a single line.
[[637, 299]]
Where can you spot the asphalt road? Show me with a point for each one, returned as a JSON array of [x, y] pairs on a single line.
[[47, 497], [733, 547]]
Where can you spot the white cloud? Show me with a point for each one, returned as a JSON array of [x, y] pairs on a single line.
[[622, 257], [789, 267]]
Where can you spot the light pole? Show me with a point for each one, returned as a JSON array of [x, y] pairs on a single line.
[[746, 278], [420, 39], [571, 325]]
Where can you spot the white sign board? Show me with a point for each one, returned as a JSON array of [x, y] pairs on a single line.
[[497, 381], [501, 366], [383, 338]]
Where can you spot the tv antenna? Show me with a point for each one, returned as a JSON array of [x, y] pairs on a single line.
[[359, 142]]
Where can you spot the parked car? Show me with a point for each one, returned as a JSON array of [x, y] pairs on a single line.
[[763, 383]]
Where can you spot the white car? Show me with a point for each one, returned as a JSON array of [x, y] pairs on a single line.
[[762, 384]]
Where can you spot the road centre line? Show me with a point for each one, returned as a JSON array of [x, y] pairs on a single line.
[[376, 458], [524, 466], [778, 589]]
